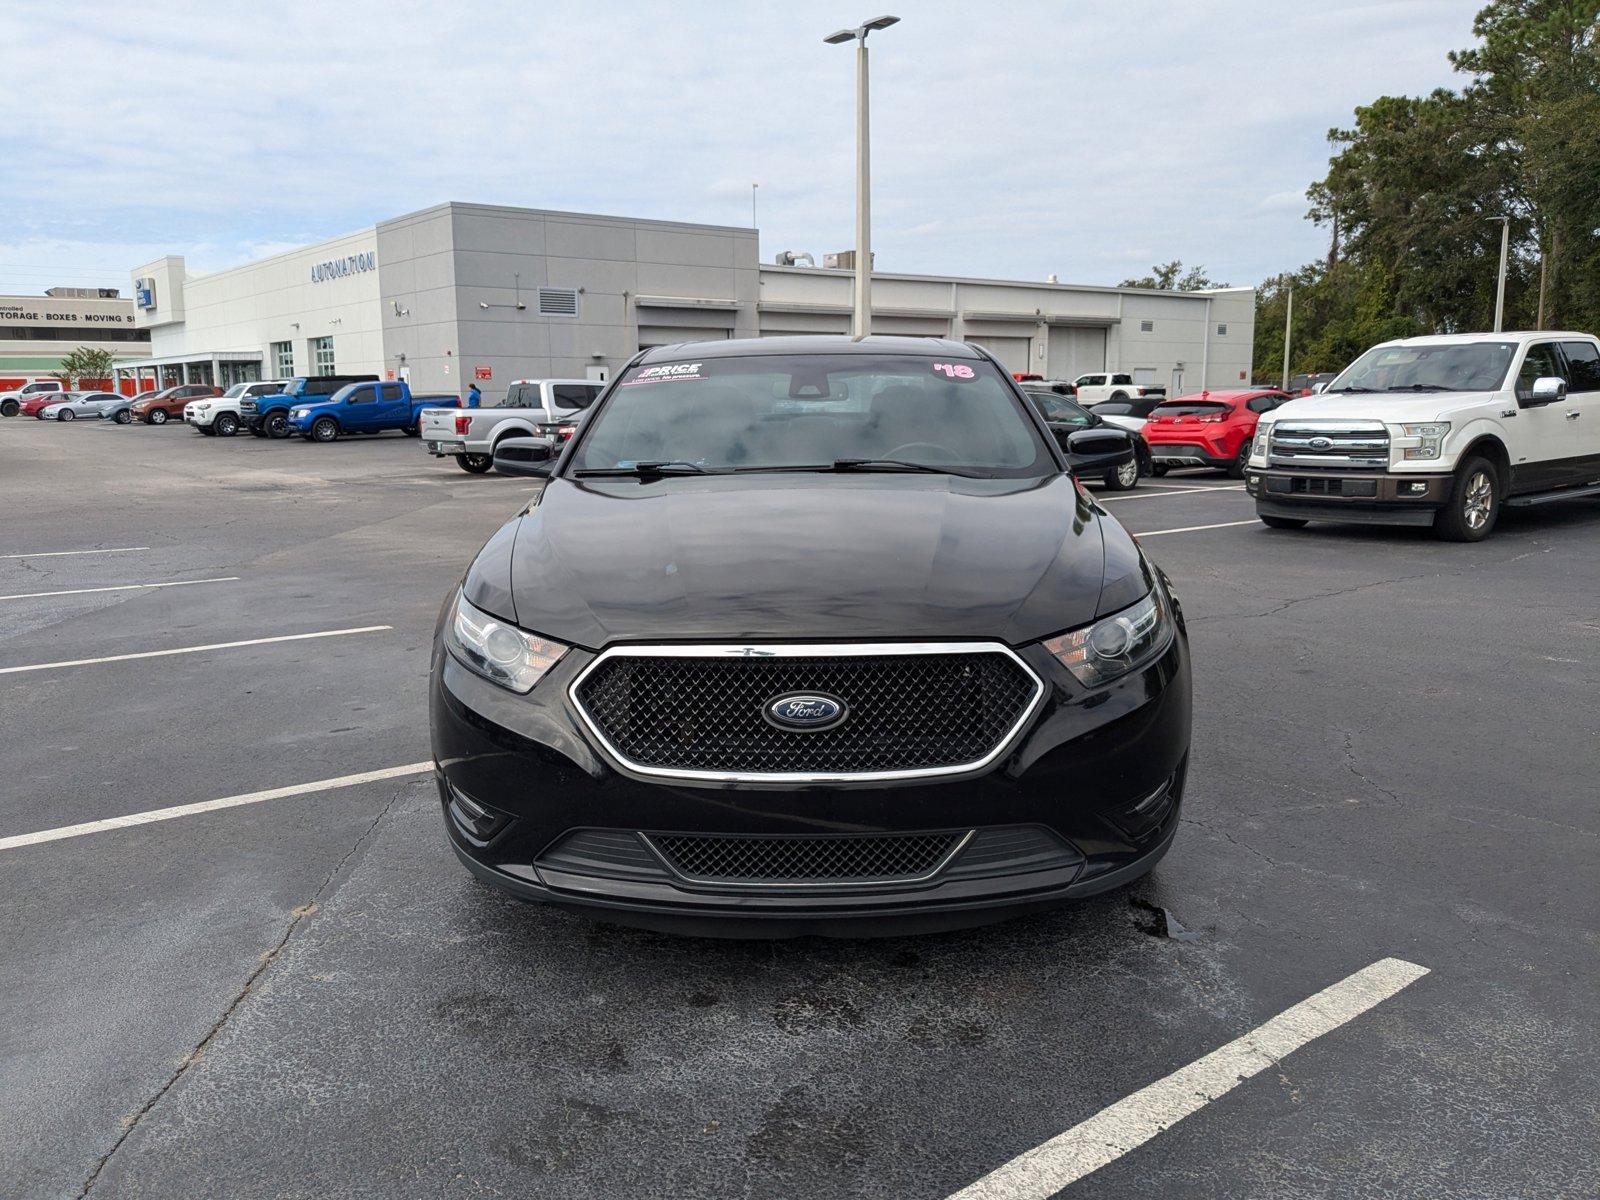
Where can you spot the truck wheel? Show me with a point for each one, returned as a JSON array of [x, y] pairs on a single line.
[[475, 464], [276, 424], [1121, 396], [1474, 505], [123, 417], [1282, 522], [9, 408], [158, 416], [226, 425], [324, 429], [1125, 478]]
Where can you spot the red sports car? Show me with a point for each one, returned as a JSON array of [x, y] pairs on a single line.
[[1208, 429]]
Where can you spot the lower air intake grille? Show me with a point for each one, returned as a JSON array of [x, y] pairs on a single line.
[[905, 713], [871, 858]]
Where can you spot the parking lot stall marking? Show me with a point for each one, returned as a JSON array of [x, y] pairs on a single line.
[[129, 820], [1167, 495], [1130, 1122], [1185, 529], [122, 587], [266, 641], [69, 553]]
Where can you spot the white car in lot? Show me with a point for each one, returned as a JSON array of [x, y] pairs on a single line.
[[531, 408], [1091, 389], [219, 415], [73, 405], [1438, 431]]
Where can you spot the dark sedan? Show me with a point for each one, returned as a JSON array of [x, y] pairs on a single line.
[[1095, 448], [809, 635]]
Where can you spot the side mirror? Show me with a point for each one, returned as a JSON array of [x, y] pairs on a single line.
[[525, 456], [1318, 388], [1548, 389]]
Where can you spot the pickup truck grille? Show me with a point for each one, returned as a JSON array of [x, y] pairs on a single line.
[[697, 712], [1328, 446], [247, 406]]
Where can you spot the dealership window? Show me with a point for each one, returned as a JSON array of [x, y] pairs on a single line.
[[1222, 330], [322, 355], [1147, 326], [283, 359]]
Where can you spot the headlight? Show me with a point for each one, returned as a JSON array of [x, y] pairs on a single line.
[[1263, 436], [1432, 435], [297, 413], [1115, 645], [202, 407], [499, 652]]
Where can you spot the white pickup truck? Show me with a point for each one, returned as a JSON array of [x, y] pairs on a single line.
[[11, 402], [531, 408], [1111, 385], [1441, 431]]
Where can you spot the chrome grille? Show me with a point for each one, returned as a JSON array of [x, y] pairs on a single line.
[[1329, 446], [247, 406], [835, 860], [697, 712]]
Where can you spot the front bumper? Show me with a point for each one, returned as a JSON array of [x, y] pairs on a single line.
[[1368, 497], [1093, 783]]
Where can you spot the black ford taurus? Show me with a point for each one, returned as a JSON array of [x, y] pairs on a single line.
[[810, 635]]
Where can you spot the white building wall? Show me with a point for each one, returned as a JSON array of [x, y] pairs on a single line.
[[249, 308]]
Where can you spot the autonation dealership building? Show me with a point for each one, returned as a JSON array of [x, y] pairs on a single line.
[[460, 293]]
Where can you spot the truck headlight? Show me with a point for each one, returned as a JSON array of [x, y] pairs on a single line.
[[1432, 435], [297, 413], [1263, 436], [499, 652], [1118, 644]]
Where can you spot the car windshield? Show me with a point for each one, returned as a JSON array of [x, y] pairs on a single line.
[[1454, 367], [237, 389], [1113, 408], [776, 412]]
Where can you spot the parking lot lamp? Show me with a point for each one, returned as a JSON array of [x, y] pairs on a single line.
[[1500, 279], [861, 321]]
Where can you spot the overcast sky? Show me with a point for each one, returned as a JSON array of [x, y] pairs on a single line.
[[1085, 139]]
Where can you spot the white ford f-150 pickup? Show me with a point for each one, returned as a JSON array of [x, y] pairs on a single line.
[[531, 408], [1111, 385], [1441, 431]]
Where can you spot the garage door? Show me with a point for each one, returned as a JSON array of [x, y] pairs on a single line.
[[1011, 351], [1074, 351]]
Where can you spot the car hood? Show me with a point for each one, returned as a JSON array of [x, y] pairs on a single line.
[[772, 557], [1390, 407]]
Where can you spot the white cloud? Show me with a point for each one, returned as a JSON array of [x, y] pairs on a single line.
[[1025, 142]]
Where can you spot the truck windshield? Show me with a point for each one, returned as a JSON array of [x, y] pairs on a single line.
[[236, 390], [790, 412], [1429, 367]]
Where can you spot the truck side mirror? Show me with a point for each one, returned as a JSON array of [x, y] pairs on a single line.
[[524, 456], [1548, 389]]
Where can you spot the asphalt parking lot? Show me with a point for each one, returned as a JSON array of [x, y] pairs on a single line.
[[303, 994]]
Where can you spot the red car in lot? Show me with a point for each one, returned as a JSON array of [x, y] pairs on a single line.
[[1208, 429]]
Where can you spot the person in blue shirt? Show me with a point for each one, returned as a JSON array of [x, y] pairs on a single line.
[[474, 396]]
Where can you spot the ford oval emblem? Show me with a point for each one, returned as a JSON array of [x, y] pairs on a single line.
[[804, 711], [1321, 443]]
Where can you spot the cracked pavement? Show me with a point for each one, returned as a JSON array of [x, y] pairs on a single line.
[[1395, 754]]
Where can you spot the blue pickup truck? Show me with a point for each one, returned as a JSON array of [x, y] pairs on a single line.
[[268, 416], [370, 407]]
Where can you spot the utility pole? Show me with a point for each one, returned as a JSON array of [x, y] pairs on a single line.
[[1500, 279], [1288, 324], [861, 321]]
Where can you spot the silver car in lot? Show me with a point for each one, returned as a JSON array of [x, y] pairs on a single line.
[[79, 404]]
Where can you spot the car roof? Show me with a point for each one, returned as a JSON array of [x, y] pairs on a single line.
[[810, 344], [1224, 395], [595, 382], [1467, 339]]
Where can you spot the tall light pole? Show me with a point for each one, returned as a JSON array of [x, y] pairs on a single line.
[[861, 322], [1288, 325], [1500, 279]]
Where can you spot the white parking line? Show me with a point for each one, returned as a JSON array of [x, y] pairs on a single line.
[[267, 641], [67, 553], [1134, 1120], [204, 806], [121, 587], [1167, 495], [1159, 532]]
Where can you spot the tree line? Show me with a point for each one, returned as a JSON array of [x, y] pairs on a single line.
[[1417, 186]]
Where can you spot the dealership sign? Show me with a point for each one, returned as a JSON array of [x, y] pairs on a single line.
[[338, 268], [144, 292]]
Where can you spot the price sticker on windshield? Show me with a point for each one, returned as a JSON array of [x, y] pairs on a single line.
[[954, 370]]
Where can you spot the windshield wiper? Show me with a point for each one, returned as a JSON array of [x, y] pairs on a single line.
[[646, 470], [843, 465], [1427, 387], [1351, 391]]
